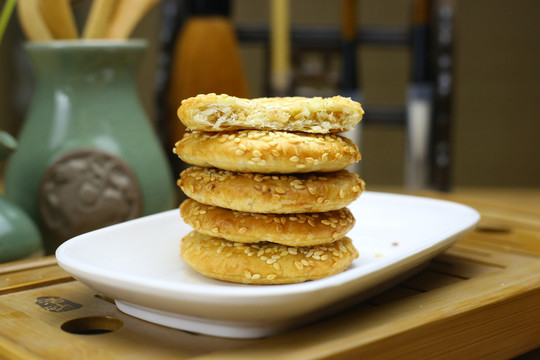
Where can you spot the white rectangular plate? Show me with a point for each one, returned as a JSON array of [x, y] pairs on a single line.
[[137, 263]]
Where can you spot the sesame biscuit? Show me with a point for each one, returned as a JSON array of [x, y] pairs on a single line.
[[267, 152], [264, 263], [211, 112], [293, 230], [276, 194]]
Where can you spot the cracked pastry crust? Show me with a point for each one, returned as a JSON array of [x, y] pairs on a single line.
[[277, 194], [264, 263], [293, 230], [267, 151], [211, 112]]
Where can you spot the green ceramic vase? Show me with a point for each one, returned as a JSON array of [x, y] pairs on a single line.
[[88, 155], [19, 236]]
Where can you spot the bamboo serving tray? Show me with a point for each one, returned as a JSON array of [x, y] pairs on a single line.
[[479, 299]]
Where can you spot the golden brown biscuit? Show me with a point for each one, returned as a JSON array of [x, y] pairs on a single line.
[[267, 152], [213, 112], [283, 194], [264, 263], [293, 230]]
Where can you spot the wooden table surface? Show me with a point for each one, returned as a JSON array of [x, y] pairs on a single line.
[[479, 299]]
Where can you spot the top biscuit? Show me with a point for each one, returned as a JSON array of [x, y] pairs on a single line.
[[317, 115]]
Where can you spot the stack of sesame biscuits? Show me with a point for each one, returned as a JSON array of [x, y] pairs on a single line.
[[268, 193]]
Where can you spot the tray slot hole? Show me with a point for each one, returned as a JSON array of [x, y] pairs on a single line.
[[461, 267], [103, 297], [397, 293], [92, 325]]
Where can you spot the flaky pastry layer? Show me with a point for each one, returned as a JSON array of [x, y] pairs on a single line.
[[211, 112], [267, 151], [276, 194], [264, 263], [294, 230]]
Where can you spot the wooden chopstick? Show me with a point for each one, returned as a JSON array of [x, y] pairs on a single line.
[[32, 22], [99, 18], [126, 17], [59, 18]]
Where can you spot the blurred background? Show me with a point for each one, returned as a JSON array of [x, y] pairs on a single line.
[[490, 132]]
